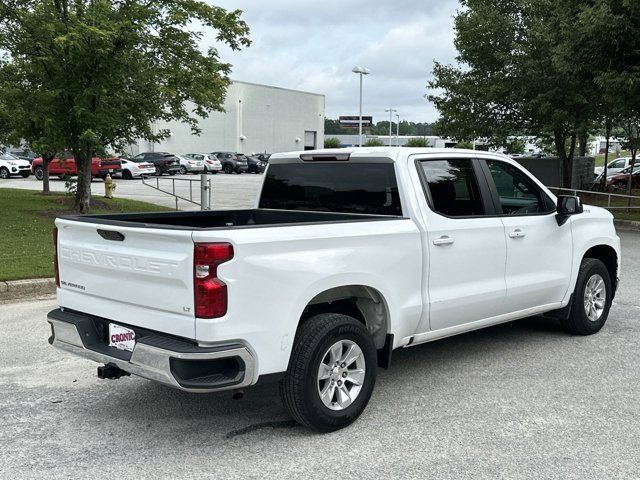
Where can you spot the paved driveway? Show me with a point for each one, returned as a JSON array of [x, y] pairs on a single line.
[[521, 400]]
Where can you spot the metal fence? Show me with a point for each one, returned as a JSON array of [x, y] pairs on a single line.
[[204, 188], [610, 201]]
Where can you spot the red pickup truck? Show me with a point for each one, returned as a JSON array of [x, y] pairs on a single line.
[[66, 165]]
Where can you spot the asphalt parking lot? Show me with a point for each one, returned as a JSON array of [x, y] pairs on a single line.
[[521, 400], [228, 191]]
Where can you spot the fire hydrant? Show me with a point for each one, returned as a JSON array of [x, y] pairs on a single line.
[[109, 186]]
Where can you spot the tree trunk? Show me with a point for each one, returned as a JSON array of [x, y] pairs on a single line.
[[582, 145], [46, 160], [634, 151], [83, 192], [558, 138], [603, 182]]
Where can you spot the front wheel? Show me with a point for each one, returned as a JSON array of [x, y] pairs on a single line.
[[331, 373], [183, 170], [4, 173], [591, 299], [39, 173]]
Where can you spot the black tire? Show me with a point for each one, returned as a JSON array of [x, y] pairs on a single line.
[[4, 173], [158, 172], [183, 170], [299, 388], [126, 174], [578, 322], [25, 174], [39, 173], [172, 173], [228, 169]]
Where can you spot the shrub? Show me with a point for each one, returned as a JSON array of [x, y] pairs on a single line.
[[417, 142], [332, 142], [374, 142]]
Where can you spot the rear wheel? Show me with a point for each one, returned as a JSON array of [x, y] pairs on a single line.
[[4, 173], [126, 174], [172, 173], [591, 299], [331, 374], [158, 172]]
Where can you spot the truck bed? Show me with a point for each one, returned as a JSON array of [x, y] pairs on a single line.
[[225, 219]]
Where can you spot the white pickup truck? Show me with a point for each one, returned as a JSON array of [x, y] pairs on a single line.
[[348, 255]]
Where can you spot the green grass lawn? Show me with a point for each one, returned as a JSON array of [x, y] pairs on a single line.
[[26, 225]]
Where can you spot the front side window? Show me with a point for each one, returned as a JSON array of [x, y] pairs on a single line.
[[453, 187], [519, 194]]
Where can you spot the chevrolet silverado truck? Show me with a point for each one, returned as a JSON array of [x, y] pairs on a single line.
[[348, 255]]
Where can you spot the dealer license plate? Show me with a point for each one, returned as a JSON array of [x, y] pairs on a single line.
[[121, 338]]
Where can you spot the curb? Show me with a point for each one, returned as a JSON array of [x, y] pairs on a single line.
[[627, 225], [20, 289]]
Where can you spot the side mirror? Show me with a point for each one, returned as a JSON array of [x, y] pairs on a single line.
[[567, 205]]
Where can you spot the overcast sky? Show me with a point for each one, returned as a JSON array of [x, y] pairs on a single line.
[[312, 45]]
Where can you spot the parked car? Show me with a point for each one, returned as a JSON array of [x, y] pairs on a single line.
[[621, 179], [263, 157], [188, 164], [210, 161], [131, 169], [164, 162], [65, 164], [339, 246], [614, 166], [23, 154], [231, 163], [12, 165], [254, 164]]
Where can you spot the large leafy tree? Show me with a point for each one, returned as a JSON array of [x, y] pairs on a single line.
[[512, 76], [108, 69]]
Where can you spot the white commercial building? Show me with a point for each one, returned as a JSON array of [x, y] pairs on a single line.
[[257, 119]]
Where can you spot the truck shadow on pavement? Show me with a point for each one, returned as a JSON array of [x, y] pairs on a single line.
[[217, 415]]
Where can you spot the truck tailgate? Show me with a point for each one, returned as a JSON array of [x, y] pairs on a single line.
[[136, 276]]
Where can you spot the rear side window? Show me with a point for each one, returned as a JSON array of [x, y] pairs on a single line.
[[453, 187], [367, 188]]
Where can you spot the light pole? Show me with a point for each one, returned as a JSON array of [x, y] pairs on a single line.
[[391, 112], [360, 71], [397, 130]]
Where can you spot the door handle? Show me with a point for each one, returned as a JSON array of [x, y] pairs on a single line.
[[443, 240], [517, 233]]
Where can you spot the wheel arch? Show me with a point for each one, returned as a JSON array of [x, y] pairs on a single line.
[[609, 257], [362, 302]]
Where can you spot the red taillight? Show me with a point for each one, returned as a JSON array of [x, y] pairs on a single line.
[[210, 293], [56, 272]]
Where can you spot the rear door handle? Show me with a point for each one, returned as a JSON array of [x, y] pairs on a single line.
[[517, 233], [443, 240]]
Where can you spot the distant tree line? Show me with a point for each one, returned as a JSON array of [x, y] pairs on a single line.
[[421, 129]]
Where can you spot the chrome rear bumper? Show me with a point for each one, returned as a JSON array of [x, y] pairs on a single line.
[[150, 360]]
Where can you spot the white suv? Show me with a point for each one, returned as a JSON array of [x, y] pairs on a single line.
[[12, 165]]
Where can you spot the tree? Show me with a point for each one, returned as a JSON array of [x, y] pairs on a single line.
[[109, 69], [374, 142], [513, 76], [416, 142], [332, 142], [515, 146]]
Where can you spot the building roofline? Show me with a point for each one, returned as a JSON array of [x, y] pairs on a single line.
[[279, 88]]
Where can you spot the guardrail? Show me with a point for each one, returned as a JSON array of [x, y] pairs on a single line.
[[609, 197], [205, 189]]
